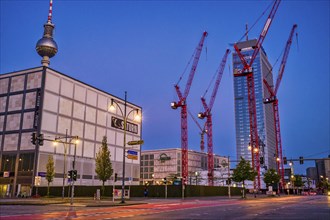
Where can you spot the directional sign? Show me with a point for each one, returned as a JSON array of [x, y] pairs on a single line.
[[133, 157], [139, 142], [42, 174], [132, 152]]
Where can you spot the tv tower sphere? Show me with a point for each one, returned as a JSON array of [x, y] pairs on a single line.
[[46, 47]]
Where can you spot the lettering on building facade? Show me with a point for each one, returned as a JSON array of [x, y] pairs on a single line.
[[163, 157], [119, 123]]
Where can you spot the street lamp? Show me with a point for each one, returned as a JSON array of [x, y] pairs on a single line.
[[72, 140], [125, 115]]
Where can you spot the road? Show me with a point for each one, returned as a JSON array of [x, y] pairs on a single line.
[[288, 207]]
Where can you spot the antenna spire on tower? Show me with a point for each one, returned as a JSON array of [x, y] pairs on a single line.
[[46, 47], [50, 11]]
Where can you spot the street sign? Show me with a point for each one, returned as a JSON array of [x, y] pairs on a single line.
[[42, 174], [139, 142], [133, 157], [133, 152]]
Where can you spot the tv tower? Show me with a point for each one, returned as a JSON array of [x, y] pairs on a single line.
[[46, 47]]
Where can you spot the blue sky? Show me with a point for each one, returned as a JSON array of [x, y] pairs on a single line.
[[142, 47]]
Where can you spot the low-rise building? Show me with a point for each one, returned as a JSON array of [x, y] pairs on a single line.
[[166, 163]]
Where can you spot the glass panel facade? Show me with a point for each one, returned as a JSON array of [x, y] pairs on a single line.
[[261, 69]]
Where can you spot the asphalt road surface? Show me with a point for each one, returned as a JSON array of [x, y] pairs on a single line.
[[286, 207]]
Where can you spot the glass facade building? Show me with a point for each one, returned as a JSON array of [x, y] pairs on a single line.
[[264, 112]]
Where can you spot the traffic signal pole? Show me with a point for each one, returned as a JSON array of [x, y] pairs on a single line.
[[38, 139], [74, 175]]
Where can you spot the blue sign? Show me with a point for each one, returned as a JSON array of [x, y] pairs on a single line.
[[42, 174], [132, 152]]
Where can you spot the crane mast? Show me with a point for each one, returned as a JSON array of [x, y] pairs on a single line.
[[208, 115], [182, 103], [203, 131], [247, 71], [273, 99]]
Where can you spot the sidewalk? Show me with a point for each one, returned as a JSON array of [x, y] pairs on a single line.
[[79, 201], [107, 202]]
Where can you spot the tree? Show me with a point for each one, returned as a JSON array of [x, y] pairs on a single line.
[[244, 172], [103, 165], [298, 181], [50, 171], [271, 177]]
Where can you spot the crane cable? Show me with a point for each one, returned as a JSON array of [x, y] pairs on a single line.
[[246, 32], [185, 69], [213, 77]]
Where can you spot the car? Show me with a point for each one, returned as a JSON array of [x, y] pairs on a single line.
[[310, 193]]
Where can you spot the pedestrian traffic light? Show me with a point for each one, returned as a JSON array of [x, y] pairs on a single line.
[[301, 160], [285, 160], [116, 176], [165, 180], [74, 175], [41, 139], [261, 160], [70, 174], [34, 138]]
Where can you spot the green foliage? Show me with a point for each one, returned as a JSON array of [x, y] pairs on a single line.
[[244, 172], [271, 177], [298, 181], [103, 165], [50, 171]]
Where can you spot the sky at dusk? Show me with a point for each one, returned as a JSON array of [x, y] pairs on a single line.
[[143, 47]]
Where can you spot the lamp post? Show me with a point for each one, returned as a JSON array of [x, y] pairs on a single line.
[[125, 117], [229, 179], [65, 144]]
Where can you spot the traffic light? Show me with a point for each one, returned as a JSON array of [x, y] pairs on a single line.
[[261, 160], [34, 138], [41, 139], [74, 175], [285, 161], [165, 181], [228, 181], [116, 177], [301, 160], [70, 174]]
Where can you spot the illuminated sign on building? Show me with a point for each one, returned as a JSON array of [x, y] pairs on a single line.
[[163, 157], [119, 123]]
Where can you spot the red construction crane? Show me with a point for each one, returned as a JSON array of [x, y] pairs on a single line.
[[182, 103], [203, 130], [273, 99], [207, 113], [248, 73]]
